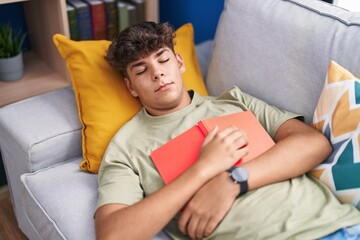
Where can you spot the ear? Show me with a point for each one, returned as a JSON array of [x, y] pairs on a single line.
[[130, 87], [180, 62]]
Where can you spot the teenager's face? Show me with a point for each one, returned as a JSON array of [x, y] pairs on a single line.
[[157, 81]]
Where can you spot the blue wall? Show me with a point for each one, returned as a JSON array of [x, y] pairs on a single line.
[[13, 14], [203, 14]]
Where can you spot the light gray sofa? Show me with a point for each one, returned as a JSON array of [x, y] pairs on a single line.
[[276, 50]]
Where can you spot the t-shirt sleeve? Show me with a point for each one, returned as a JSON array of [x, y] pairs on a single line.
[[269, 116], [118, 182]]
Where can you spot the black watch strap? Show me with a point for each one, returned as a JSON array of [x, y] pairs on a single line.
[[243, 188], [237, 179]]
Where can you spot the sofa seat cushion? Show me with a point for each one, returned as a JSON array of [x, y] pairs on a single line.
[[60, 202]]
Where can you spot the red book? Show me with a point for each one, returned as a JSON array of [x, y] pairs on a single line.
[[175, 156], [98, 19]]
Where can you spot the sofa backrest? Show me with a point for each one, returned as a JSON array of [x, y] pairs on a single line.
[[279, 50]]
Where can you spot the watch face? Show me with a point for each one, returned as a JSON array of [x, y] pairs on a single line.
[[240, 174]]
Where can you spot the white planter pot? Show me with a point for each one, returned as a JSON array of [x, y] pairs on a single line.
[[11, 69]]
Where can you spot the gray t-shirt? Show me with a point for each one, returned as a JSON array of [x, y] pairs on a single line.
[[301, 208]]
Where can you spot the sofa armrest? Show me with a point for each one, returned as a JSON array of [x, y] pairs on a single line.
[[36, 133], [40, 131]]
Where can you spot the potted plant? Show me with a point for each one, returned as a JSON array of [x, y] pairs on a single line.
[[11, 61]]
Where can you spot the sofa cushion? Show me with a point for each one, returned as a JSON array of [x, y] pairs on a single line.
[[60, 202], [271, 50], [103, 100], [337, 115]]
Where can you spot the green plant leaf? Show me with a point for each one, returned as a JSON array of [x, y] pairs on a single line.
[[10, 42]]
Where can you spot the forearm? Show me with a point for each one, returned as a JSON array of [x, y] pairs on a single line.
[[295, 153], [154, 211]]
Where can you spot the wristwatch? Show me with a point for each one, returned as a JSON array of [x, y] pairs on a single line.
[[240, 175]]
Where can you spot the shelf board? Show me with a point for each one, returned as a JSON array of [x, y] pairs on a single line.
[[11, 1], [38, 78]]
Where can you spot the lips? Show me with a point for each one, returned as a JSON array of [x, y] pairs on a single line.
[[163, 87]]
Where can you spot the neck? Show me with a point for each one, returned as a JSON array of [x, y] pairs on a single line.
[[183, 101]]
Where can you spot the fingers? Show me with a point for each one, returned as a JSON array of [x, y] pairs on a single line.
[[211, 135], [230, 135], [183, 222], [190, 220], [222, 149], [234, 137], [195, 227], [234, 141], [200, 229], [206, 227], [192, 228]]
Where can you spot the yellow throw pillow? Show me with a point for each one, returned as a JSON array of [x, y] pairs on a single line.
[[184, 44], [104, 103]]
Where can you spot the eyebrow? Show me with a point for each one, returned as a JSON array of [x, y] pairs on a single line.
[[158, 54]]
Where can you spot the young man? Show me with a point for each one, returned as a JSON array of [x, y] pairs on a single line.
[[277, 201]]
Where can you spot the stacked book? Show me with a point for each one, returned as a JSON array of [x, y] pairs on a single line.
[[102, 19]]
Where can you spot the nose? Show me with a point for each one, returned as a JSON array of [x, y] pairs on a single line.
[[157, 73]]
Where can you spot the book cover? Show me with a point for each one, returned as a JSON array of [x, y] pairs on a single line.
[[123, 15], [73, 24], [112, 27], [98, 19], [139, 8], [175, 156], [83, 16], [132, 14]]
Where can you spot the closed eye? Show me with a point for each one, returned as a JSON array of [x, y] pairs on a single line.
[[141, 72], [164, 61]]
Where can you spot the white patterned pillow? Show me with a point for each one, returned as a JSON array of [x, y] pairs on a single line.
[[337, 115]]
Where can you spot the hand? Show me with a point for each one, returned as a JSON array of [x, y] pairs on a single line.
[[221, 150], [207, 208]]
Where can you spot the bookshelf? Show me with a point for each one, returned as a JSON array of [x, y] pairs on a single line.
[[11, 1], [45, 70]]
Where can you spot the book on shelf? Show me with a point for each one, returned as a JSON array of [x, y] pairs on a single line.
[[175, 156], [83, 16], [112, 22], [98, 19], [73, 24], [132, 14], [103, 19], [123, 15], [139, 6]]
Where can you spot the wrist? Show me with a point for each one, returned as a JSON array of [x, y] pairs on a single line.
[[232, 187], [239, 175], [201, 172]]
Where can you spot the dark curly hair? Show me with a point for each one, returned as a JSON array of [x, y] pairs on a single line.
[[138, 41]]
